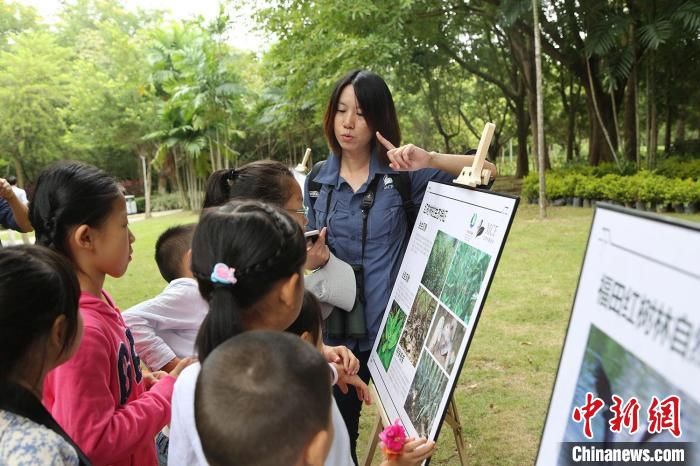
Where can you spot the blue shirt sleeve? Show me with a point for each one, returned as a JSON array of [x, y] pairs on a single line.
[[7, 218], [420, 179]]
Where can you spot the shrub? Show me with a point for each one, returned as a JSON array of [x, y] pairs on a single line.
[[166, 202], [530, 189], [140, 204]]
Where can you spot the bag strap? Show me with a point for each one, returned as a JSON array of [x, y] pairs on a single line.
[[402, 183], [314, 186], [367, 203]]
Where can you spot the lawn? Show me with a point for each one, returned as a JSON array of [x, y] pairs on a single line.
[[142, 279], [504, 388]]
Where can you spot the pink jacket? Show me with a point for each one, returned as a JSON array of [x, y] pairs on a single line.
[[98, 396]]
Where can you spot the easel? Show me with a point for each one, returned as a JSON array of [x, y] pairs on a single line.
[[472, 176], [452, 419], [304, 166], [476, 175]]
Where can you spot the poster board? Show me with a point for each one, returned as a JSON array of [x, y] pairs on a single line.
[[436, 302], [634, 332]]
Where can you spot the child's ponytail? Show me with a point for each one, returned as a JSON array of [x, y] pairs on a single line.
[[239, 252], [263, 180], [69, 194], [222, 321]]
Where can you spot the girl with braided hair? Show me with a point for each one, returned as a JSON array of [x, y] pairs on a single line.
[[330, 280], [99, 397], [248, 259]]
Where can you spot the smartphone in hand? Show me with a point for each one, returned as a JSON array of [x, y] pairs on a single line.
[[312, 235]]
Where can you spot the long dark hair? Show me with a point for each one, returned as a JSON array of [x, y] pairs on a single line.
[[69, 194], [263, 180], [37, 286], [262, 243], [374, 98]]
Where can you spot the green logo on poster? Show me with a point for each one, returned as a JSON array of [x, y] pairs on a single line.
[[472, 222]]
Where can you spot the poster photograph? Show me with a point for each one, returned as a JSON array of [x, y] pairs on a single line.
[[445, 338], [629, 374], [464, 280], [416, 329], [425, 394], [438, 263], [435, 303], [390, 335]]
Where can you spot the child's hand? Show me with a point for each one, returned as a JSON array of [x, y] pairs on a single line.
[[343, 356], [150, 378], [181, 366], [414, 452], [361, 388]]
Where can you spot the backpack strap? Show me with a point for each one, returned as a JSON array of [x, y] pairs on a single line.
[[402, 183], [314, 186]]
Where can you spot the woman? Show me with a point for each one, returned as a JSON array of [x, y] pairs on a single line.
[[361, 205]]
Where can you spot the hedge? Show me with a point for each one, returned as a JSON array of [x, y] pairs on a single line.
[[641, 188], [160, 202]]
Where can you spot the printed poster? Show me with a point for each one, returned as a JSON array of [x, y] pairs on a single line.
[[629, 374], [435, 304]]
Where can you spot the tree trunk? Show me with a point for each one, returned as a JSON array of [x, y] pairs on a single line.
[[571, 120], [680, 128], [19, 171], [146, 172], [630, 122], [603, 133], [540, 108], [522, 165], [652, 124], [162, 182], [669, 122]]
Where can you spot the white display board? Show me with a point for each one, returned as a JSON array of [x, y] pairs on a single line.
[[436, 301], [634, 333]]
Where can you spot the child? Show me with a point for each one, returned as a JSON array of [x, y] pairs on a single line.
[[308, 327], [332, 281], [248, 260], [242, 402], [40, 329], [165, 327], [99, 397]]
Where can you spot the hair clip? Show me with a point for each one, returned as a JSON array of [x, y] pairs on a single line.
[[232, 174], [222, 273]]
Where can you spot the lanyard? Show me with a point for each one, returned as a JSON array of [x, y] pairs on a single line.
[[367, 203]]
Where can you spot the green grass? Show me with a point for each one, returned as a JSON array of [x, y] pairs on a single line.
[[505, 385], [142, 279]]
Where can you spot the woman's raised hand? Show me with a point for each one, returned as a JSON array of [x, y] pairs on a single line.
[[405, 158]]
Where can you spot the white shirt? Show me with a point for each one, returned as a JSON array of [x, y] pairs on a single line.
[[21, 194], [185, 448], [166, 326]]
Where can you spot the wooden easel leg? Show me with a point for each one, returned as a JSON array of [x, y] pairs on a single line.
[[369, 455], [452, 419]]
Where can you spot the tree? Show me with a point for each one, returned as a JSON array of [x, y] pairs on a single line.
[[34, 92]]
